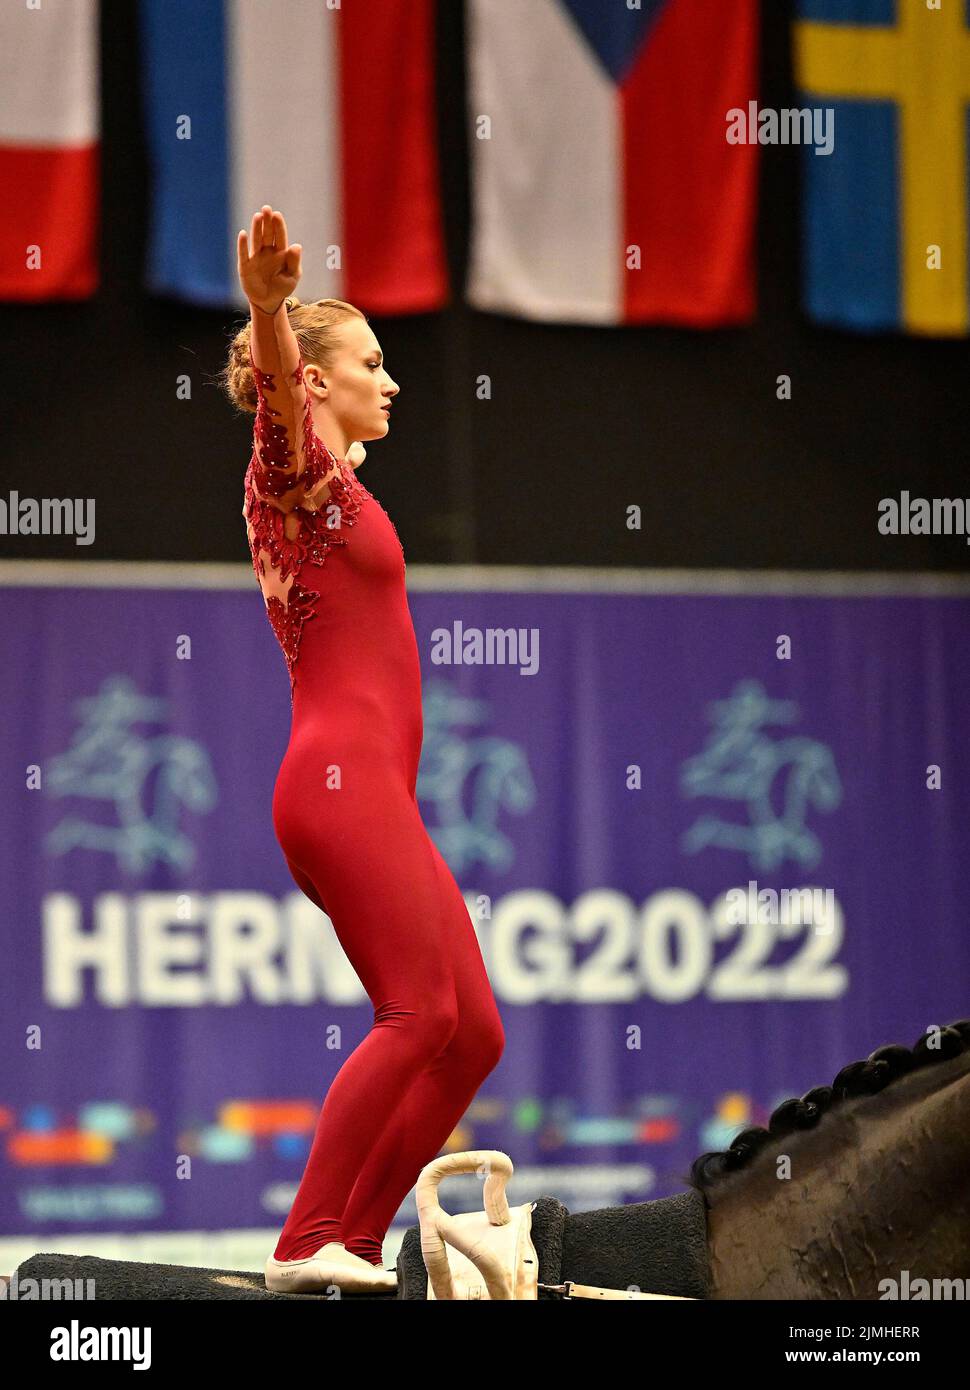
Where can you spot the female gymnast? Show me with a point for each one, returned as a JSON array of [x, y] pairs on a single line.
[[331, 570]]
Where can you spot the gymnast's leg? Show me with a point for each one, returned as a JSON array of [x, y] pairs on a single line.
[[439, 1095], [384, 900], [306, 885]]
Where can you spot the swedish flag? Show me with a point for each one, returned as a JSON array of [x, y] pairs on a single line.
[[886, 212]]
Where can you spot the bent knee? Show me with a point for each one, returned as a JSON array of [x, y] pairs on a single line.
[[440, 1026], [481, 1042], [429, 1027], [493, 1043]]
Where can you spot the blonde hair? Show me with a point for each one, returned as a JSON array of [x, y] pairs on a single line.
[[315, 327]]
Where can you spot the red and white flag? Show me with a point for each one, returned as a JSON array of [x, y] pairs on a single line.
[[49, 149], [325, 111], [604, 187]]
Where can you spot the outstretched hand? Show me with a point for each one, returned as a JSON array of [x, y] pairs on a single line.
[[269, 267]]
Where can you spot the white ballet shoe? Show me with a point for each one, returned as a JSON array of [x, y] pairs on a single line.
[[331, 1265]]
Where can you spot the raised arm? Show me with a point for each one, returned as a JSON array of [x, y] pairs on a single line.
[[290, 458]]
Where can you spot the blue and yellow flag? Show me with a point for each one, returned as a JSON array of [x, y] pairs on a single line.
[[885, 235]]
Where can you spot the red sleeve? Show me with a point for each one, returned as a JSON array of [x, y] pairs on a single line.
[[281, 462]]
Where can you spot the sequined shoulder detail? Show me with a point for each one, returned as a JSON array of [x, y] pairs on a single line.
[[277, 468], [280, 542]]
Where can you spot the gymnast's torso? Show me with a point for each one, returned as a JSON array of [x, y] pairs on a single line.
[[332, 574]]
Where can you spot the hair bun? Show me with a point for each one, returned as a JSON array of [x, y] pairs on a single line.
[[316, 332]]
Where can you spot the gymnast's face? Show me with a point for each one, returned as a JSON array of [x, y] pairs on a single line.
[[357, 390]]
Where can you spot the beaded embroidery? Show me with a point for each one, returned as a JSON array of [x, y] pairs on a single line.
[[317, 531]]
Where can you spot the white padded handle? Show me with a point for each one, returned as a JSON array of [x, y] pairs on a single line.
[[437, 1226]]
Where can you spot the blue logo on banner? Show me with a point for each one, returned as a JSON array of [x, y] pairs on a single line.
[[469, 780], [741, 763], [108, 761]]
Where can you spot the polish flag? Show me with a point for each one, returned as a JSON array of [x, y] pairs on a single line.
[[49, 149]]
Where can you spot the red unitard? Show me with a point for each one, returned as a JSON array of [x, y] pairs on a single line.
[[331, 570]]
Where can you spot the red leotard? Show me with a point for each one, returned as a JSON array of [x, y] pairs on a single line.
[[344, 810]]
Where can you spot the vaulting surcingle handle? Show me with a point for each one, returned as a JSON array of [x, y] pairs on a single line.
[[495, 1166], [437, 1226]]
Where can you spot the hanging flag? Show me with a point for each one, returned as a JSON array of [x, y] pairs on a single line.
[[605, 188], [886, 213], [326, 113], [49, 149]]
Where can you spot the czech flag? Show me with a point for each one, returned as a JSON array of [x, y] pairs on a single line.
[[324, 111], [49, 149], [605, 188]]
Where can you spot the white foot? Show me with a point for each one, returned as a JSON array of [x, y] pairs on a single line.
[[337, 1250], [331, 1265]]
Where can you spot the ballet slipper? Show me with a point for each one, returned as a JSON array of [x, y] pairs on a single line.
[[339, 1251], [331, 1265]]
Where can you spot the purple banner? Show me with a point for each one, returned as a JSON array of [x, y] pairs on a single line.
[[715, 848]]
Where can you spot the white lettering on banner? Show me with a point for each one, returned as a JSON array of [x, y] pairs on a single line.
[[241, 947], [244, 948]]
